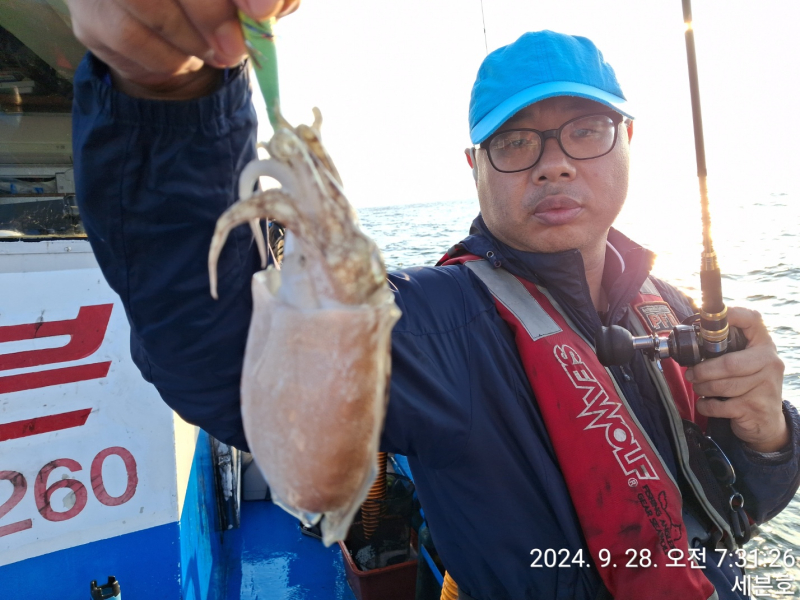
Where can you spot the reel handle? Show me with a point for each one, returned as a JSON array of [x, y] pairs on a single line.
[[616, 346]]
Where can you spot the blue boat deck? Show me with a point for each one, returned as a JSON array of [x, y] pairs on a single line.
[[268, 558]]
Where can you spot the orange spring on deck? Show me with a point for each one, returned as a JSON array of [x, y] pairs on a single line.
[[374, 505], [449, 588]]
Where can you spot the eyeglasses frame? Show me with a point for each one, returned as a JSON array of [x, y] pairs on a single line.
[[553, 133]]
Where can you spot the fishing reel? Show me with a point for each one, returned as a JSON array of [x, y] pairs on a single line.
[[687, 343]]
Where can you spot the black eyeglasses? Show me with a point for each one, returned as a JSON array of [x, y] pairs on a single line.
[[582, 138]]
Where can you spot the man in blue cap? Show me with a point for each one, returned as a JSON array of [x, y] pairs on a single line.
[[482, 364], [566, 84]]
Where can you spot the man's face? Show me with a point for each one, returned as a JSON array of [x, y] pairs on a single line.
[[560, 203]]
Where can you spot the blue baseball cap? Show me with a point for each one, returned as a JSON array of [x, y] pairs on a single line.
[[539, 65]]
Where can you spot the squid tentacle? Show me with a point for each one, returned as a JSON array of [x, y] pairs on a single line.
[[266, 168], [261, 244], [248, 180], [270, 204]]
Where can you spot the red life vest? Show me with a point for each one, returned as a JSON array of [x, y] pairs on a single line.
[[628, 505], [657, 317]]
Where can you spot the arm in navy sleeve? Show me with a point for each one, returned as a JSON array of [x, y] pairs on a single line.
[[151, 179], [767, 481], [429, 416]]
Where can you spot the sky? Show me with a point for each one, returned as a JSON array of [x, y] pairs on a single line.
[[393, 81]]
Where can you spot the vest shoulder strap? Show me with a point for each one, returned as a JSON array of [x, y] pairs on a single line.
[[508, 290], [649, 288]]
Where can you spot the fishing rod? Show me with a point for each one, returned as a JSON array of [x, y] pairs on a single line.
[[717, 337], [707, 333]]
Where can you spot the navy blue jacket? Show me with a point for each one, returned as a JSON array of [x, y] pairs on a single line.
[[152, 178]]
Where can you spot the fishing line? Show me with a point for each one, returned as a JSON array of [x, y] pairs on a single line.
[[483, 18]]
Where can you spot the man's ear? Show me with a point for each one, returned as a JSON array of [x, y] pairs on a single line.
[[630, 130], [473, 164]]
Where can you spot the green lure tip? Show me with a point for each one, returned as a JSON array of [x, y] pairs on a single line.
[[260, 42]]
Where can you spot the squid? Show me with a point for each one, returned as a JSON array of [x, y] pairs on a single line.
[[317, 363]]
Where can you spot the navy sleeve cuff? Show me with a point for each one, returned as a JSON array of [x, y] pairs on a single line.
[[768, 481], [211, 114], [778, 457]]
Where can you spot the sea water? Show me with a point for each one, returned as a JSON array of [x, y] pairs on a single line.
[[756, 238]]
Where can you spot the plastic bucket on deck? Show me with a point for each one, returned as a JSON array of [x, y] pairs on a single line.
[[381, 564]]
